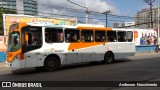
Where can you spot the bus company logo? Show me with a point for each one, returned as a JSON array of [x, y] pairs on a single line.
[[6, 84]]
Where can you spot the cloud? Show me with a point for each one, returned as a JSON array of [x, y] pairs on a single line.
[[62, 7], [93, 5], [101, 6]]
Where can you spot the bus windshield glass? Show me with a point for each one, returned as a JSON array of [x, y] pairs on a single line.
[[13, 42]]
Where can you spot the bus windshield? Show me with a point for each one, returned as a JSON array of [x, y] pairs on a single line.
[[13, 42]]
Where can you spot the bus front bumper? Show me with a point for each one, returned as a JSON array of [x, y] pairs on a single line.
[[16, 64]]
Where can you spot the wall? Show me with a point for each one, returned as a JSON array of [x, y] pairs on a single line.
[[2, 49]]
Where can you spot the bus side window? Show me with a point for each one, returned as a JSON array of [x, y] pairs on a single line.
[[111, 35], [53, 35], [72, 35], [129, 36], [122, 36], [87, 36], [100, 36], [32, 39]]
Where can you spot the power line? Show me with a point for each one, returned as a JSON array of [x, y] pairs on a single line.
[[119, 16], [86, 7], [150, 2], [106, 13], [116, 17]]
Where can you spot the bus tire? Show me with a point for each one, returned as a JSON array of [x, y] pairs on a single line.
[[108, 58], [51, 64]]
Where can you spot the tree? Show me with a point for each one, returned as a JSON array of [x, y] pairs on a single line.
[[4, 11]]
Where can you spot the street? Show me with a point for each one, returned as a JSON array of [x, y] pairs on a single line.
[[142, 67]]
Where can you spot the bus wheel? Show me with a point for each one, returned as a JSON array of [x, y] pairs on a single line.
[[108, 58], [51, 64]]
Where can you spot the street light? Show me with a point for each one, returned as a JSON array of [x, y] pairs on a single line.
[[86, 7]]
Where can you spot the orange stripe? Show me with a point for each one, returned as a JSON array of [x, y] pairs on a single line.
[[83, 45]]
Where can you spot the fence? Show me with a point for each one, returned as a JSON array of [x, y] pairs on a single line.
[[146, 49]]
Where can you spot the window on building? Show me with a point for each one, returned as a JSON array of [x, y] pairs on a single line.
[[121, 36], [87, 35], [129, 36], [111, 35], [72, 35], [100, 36], [53, 35]]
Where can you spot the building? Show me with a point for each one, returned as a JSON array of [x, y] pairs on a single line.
[[118, 24], [143, 18], [123, 24], [27, 7], [126, 24]]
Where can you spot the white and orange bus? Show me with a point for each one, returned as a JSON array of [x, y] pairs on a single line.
[[50, 47]]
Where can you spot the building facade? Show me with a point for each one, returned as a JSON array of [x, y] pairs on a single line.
[[143, 18], [127, 24], [26, 7], [123, 25], [118, 25]]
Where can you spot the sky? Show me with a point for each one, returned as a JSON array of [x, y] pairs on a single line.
[[129, 7], [117, 7]]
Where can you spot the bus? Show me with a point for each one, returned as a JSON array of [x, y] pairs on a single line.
[[51, 46]]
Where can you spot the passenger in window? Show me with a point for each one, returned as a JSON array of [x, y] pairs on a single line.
[[68, 38], [88, 38], [74, 38], [82, 38], [59, 37], [34, 40], [103, 39], [125, 38], [97, 38], [48, 37], [91, 37]]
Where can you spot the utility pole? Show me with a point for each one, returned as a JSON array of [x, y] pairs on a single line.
[[158, 22], [87, 12], [106, 13], [150, 2], [86, 7]]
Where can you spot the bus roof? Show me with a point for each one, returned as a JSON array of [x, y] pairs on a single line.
[[47, 25], [92, 27], [131, 29], [78, 26]]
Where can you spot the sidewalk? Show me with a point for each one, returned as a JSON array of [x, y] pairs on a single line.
[[2, 65], [144, 56], [4, 69]]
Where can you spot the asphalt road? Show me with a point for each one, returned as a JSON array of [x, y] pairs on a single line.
[[138, 68]]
